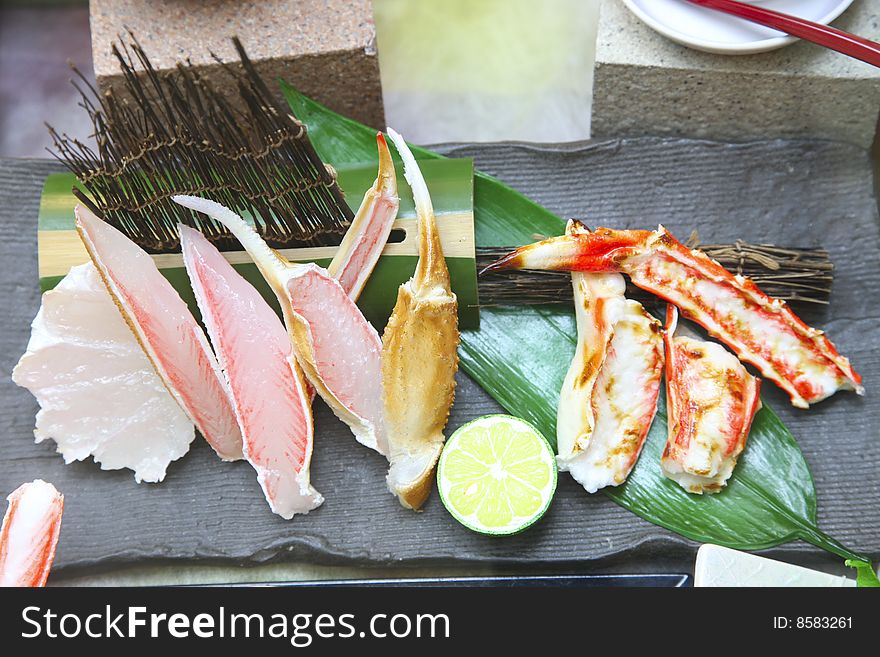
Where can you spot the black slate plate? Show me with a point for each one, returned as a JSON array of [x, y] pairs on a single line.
[[563, 581], [794, 193]]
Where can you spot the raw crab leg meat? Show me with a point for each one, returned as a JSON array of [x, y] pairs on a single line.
[[99, 394], [761, 330], [335, 345], [166, 330], [609, 396], [29, 534], [267, 387], [419, 355], [366, 237], [270, 394], [354, 261], [712, 400]]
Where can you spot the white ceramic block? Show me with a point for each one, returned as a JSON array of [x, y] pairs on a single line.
[[721, 566]]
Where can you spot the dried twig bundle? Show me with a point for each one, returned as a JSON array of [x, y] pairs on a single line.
[[173, 133], [792, 274]]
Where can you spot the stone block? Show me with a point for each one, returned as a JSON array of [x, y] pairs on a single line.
[[325, 48], [645, 84]]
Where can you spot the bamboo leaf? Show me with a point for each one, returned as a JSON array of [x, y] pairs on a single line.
[[451, 181], [520, 356], [866, 578]]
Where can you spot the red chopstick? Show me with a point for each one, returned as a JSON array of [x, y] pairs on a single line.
[[844, 42]]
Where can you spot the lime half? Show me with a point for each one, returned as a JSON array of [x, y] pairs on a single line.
[[497, 475]]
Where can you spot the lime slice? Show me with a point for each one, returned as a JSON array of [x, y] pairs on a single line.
[[497, 475]]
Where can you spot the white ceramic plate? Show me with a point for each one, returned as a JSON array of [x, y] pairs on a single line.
[[713, 31]]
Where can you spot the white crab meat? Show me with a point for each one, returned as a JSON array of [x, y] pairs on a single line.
[[99, 394]]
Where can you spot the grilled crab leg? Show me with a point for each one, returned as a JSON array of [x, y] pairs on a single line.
[[712, 400], [29, 534], [609, 396], [419, 355], [760, 330]]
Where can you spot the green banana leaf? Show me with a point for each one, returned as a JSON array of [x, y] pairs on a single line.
[[520, 356]]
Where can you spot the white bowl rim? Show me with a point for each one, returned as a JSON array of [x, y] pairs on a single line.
[[721, 47]]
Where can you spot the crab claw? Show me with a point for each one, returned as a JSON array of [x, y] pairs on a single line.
[[419, 358], [597, 251], [29, 534]]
